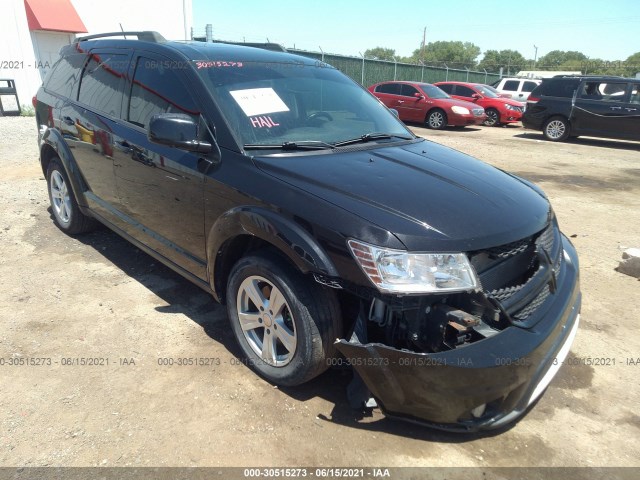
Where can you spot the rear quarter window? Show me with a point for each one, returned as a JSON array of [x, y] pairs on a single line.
[[558, 88], [65, 75]]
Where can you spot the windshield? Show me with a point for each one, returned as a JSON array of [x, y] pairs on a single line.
[[432, 91], [484, 90], [292, 103]]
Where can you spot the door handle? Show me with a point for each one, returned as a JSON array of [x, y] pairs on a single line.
[[631, 109], [400, 101], [615, 108]]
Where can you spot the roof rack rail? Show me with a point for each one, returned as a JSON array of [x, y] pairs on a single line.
[[274, 47], [147, 36]]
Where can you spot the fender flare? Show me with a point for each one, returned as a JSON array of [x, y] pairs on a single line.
[[53, 138], [286, 235]]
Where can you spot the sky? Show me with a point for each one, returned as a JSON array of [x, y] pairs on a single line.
[[605, 29]]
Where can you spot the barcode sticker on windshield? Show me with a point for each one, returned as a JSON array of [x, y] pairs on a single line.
[[258, 101]]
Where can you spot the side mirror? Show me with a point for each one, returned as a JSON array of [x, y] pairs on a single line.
[[176, 130], [395, 112], [476, 96], [419, 96]]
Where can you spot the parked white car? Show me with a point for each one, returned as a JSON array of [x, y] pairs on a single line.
[[517, 88]]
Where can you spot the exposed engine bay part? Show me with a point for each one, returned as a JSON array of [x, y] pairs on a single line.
[[433, 324]]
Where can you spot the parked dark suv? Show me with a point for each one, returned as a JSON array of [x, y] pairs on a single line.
[[331, 232], [569, 106]]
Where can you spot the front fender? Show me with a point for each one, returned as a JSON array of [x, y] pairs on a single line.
[[53, 139], [288, 236]]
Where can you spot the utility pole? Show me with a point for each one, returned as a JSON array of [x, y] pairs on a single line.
[[535, 57], [424, 39]]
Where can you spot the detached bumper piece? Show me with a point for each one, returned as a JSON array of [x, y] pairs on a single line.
[[482, 385]]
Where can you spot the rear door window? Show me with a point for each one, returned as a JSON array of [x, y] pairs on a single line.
[[447, 88], [511, 85], [390, 88], [529, 86], [103, 81]]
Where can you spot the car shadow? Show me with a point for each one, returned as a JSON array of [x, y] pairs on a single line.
[[587, 141], [448, 128], [181, 296]]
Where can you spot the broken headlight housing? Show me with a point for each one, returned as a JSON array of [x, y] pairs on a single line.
[[402, 272]]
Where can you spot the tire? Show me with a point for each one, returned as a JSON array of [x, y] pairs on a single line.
[[556, 129], [493, 118], [436, 119], [302, 327], [66, 213]]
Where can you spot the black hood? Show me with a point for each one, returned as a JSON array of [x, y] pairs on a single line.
[[429, 196]]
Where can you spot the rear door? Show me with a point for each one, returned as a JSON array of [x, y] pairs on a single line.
[[390, 95], [602, 109], [631, 121], [160, 188], [512, 87], [91, 126]]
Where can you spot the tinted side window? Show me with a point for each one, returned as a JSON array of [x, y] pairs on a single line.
[[464, 91], [635, 93], [391, 88], [102, 82], [157, 89], [529, 86], [446, 88], [559, 88], [607, 92], [408, 90], [64, 76], [511, 85]]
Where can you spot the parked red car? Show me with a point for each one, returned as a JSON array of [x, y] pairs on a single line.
[[499, 110], [426, 103]]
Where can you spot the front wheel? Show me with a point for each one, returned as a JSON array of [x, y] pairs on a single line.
[[436, 119], [556, 129], [284, 322], [493, 118]]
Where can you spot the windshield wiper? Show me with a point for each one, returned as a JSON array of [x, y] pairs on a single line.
[[367, 137], [300, 145]]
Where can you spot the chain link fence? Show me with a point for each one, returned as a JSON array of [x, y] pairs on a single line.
[[368, 71]]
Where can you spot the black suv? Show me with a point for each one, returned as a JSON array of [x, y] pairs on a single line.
[[332, 233], [569, 106]]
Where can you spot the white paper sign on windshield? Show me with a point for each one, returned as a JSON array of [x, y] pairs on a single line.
[[259, 101]]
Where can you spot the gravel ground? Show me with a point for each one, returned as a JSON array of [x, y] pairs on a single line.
[[98, 297]]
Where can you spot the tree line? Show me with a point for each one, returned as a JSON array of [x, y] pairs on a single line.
[[464, 55]]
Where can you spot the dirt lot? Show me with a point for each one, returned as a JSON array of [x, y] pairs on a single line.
[[99, 297]]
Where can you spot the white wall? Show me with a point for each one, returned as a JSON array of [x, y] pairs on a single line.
[[171, 18], [16, 46], [164, 16]]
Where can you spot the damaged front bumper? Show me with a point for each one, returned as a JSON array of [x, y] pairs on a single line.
[[482, 385]]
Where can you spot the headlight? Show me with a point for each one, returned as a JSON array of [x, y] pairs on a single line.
[[510, 107], [399, 271], [460, 110]]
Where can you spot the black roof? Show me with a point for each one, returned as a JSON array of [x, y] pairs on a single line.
[[189, 50], [611, 78]]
